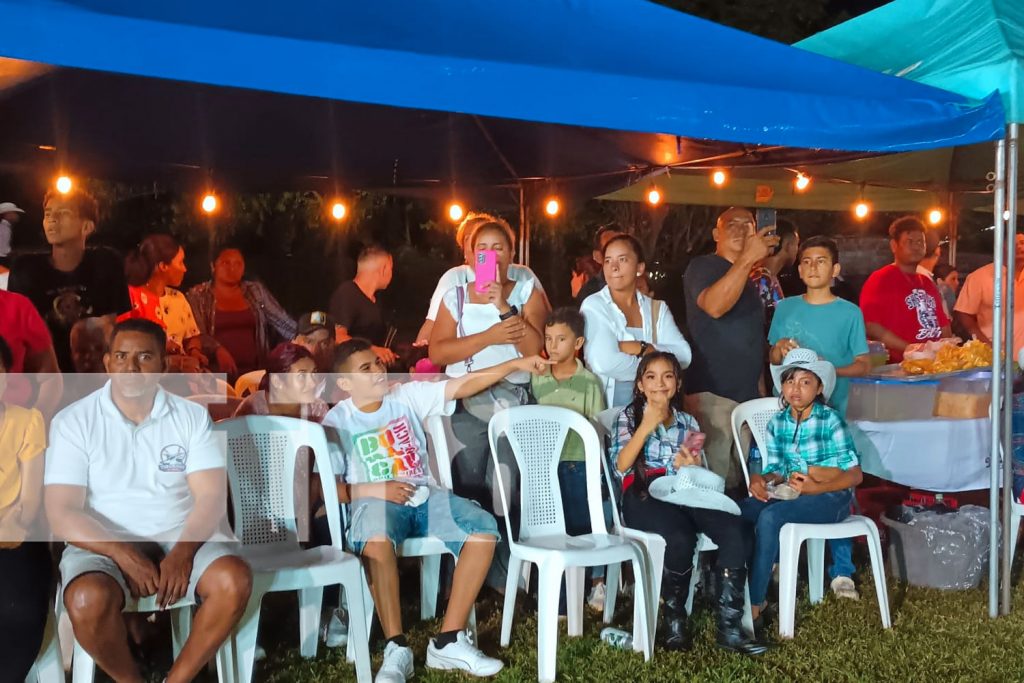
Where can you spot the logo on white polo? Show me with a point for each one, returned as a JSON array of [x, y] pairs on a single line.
[[172, 458]]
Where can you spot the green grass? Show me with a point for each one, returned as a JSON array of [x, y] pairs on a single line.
[[936, 636]]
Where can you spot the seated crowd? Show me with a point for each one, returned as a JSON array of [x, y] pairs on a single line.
[[135, 482]]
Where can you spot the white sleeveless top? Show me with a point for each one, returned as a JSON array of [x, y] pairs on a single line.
[[479, 317]]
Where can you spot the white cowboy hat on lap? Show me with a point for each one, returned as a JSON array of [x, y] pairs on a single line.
[[694, 487], [808, 360]]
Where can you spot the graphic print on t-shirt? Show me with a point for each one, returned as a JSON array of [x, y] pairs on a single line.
[[173, 458], [390, 452], [923, 304]]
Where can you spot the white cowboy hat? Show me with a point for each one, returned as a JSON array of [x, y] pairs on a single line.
[[694, 487], [808, 360], [9, 207]]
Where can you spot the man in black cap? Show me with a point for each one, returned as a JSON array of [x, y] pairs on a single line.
[[316, 333]]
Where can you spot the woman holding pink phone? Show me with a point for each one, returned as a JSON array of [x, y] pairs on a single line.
[[482, 324], [655, 438]]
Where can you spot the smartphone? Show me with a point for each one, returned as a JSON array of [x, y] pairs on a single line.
[[766, 218], [694, 441], [486, 269]]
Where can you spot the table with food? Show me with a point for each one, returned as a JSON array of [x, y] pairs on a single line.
[[924, 422]]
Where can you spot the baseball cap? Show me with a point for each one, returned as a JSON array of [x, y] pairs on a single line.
[[313, 321], [8, 207]]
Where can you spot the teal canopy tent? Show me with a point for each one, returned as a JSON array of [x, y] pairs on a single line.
[[972, 47]]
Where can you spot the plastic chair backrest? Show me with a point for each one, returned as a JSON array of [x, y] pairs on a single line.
[[442, 460], [536, 435], [219, 406], [756, 413], [262, 453], [248, 383], [224, 388]]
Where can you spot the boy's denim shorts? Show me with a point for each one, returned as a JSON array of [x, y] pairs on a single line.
[[444, 515]]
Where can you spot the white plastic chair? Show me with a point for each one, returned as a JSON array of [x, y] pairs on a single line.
[[429, 549], [536, 435], [1016, 513], [757, 414], [248, 383], [262, 451]]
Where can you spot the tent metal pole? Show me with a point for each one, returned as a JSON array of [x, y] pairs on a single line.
[[997, 389], [952, 210], [1011, 286], [522, 224]]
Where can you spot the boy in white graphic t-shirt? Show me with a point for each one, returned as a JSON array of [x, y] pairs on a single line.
[[386, 477]]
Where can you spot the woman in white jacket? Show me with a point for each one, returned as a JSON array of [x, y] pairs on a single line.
[[623, 325]]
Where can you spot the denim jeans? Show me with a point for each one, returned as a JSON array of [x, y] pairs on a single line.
[[768, 520], [842, 558]]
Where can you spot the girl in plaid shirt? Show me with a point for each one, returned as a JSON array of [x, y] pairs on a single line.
[[653, 436], [810, 466]]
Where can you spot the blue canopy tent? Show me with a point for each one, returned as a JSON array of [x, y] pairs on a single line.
[[972, 47]]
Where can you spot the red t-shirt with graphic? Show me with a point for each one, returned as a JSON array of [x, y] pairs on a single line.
[[908, 305]]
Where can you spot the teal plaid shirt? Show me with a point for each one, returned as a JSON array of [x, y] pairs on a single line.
[[820, 440]]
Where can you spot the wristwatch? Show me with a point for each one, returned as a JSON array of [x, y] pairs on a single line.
[[512, 310], [643, 349]]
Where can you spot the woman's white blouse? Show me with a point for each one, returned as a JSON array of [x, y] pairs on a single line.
[[606, 327]]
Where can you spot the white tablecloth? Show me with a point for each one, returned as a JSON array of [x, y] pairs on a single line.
[[935, 454]]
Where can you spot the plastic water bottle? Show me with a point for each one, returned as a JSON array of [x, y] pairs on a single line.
[[754, 461], [617, 638]]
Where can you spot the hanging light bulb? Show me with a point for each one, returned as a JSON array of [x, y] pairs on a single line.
[[456, 212], [338, 210], [64, 184], [654, 196], [935, 216], [718, 178], [861, 209], [552, 207], [802, 182], [210, 203]]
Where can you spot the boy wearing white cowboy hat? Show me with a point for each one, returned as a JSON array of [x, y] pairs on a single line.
[[10, 214], [808, 448]]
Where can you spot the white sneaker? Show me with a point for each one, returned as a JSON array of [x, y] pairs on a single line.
[[334, 629], [595, 600], [844, 587], [462, 655], [397, 665]]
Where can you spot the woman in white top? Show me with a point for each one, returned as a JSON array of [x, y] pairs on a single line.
[[462, 274], [623, 324], [475, 331]]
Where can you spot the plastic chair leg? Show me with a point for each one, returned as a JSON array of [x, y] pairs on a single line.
[[789, 558], [515, 566], [816, 569], [549, 584], [611, 587], [642, 597], [224, 661], [694, 580], [878, 572], [48, 667], [748, 615], [83, 669], [359, 635], [430, 582], [574, 580], [181, 627], [245, 639], [1015, 515], [310, 602]]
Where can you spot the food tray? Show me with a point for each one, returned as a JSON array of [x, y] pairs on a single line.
[[894, 373]]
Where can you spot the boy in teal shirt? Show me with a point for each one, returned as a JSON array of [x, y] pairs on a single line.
[[568, 384], [819, 320], [834, 329]]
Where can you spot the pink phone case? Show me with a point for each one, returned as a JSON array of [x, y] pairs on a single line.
[[486, 269], [694, 441]]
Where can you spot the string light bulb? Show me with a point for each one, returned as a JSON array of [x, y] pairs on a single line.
[[861, 209], [935, 216], [719, 177], [802, 182], [552, 207], [338, 211], [455, 212], [64, 184], [654, 196], [210, 203]]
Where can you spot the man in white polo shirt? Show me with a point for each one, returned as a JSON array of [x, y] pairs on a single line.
[[135, 483]]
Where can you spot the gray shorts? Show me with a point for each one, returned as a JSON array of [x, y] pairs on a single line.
[[77, 561]]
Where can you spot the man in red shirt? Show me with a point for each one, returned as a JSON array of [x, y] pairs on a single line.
[[32, 349], [900, 305]]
